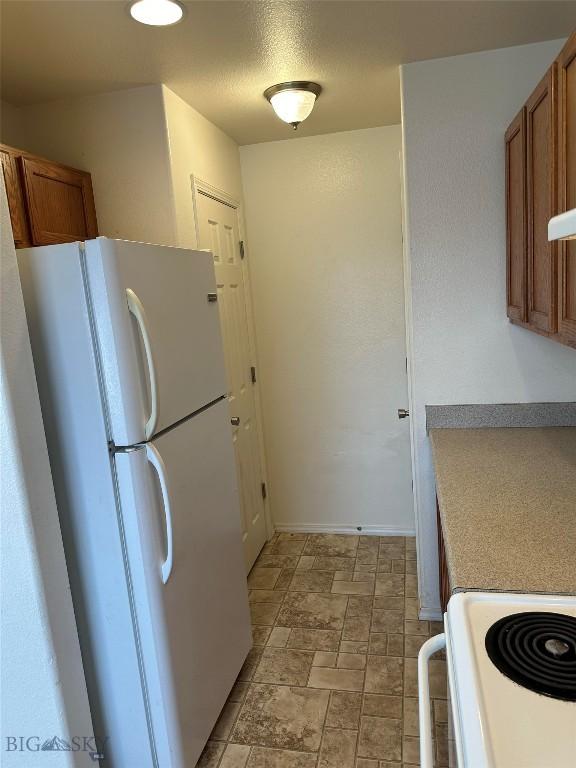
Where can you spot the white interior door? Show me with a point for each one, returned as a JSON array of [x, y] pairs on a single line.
[[218, 232]]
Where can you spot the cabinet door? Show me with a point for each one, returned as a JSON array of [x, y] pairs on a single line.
[[18, 217], [516, 218], [541, 203], [567, 189], [60, 202]]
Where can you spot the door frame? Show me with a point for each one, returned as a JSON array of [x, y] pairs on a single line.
[[199, 186]]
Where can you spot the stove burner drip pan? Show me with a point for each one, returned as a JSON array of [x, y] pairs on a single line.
[[537, 650]]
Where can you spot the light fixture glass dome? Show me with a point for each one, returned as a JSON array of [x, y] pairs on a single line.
[[293, 101], [157, 13]]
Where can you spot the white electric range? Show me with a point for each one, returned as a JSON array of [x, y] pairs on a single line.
[[512, 678]]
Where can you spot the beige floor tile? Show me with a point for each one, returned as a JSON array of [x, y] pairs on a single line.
[[353, 587], [277, 561], [290, 547], [364, 762], [410, 566], [359, 606], [344, 710], [225, 722], [313, 611], [411, 750], [279, 637], [436, 627], [410, 677], [305, 563], [384, 566], [384, 675], [283, 666], [211, 755], [368, 542], [311, 581], [338, 679], [351, 661], [282, 717], [260, 635], [343, 575], [389, 603], [378, 644], [398, 566], [285, 578], [261, 757], [440, 711], [392, 550], [411, 585], [314, 639], [380, 738], [380, 705], [391, 584], [263, 578], [324, 659], [415, 627], [387, 621], [365, 573], [235, 756], [411, 608], [410, 717], [395, 645], [438, 678], [338, 749], [266, 595], [331, 563], [292, 536], [367, 557], [331, 545], [353, 646], [412, 645], [263, 614], [441, 733], [356, 628]]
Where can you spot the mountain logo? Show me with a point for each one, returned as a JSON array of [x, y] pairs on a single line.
[[55, 744]]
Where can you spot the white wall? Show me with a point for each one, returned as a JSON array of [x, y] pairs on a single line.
[[199, 148], [324, 232], [120, 137], [463, 350], [42, 679]]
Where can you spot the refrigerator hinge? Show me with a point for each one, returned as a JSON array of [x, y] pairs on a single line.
[[253, 374], [242, 253], [264, 491]]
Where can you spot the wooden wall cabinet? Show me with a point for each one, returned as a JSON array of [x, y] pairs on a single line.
[[49, 202], [541, 182]]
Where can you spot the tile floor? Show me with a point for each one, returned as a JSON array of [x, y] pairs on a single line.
[[331, 680]]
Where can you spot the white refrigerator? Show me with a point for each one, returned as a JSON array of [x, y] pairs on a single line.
[[128, 356]]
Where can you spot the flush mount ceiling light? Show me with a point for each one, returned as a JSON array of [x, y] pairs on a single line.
[[157, 13], [293, 101], [563, 226]]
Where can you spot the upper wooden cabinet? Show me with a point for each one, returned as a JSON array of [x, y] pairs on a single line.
[[567, 188], [541, 182], [49, 203]]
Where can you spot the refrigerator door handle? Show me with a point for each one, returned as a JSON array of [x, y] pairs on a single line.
[[155, 459], [136, 308]]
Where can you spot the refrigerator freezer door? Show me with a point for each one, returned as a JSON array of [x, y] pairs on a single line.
[[158, 334], [192, 617]]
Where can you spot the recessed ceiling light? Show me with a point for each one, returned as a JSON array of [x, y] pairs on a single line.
[[157, 13], [293, 101]]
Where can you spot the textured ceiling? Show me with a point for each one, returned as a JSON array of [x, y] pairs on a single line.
[[224, 54]]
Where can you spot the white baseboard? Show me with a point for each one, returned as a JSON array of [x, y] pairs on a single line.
[[365, 530], [430, 614]]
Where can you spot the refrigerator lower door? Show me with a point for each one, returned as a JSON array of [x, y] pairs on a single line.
[[182, 525], [158, 333]]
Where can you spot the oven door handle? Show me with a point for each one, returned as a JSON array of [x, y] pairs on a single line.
[[431, 646]]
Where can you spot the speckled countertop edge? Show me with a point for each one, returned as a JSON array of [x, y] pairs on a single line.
[[507, 501]]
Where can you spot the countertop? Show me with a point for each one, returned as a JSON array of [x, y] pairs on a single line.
[[507, 500]]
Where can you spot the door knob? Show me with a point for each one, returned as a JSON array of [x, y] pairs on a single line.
[[235, 421], [403, 413]]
